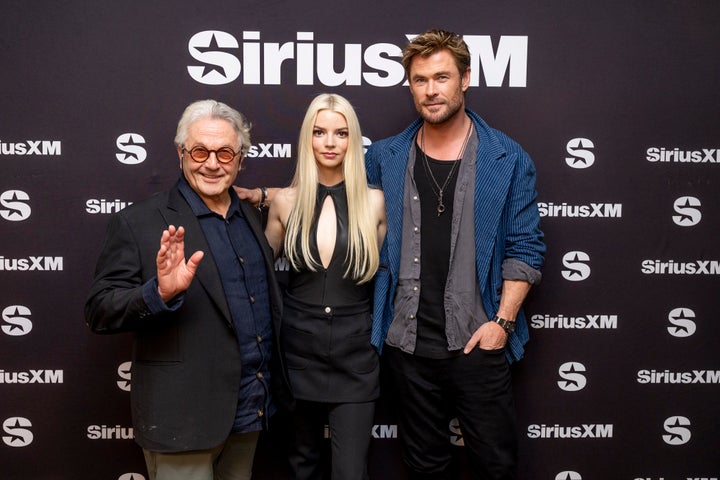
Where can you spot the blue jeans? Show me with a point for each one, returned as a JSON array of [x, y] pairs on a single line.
[[477, 389]]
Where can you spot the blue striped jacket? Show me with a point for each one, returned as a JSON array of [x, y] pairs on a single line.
[[507, 222]]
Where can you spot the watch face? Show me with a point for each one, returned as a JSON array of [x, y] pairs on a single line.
[[507, 325]]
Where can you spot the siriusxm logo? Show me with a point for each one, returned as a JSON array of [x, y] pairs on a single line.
[[15, 205], [677, 430], [124, 372], [31, 147], [384, 431], [581, 153], [102, 206], [576, 266], [676, 155], [688, 211], [575, 431], [16, 320], [32, 376], [685, 378], [378, 65], [681, 321], [131, 146], [593, 210], [378, 431], [103, 432], [563, 322], [270, 150], [572, 377], [18, 433], [31, 264], [674, 267]]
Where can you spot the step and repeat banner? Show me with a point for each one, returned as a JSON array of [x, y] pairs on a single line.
[[617, 102]]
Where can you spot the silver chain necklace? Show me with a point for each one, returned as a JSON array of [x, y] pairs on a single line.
[[435, 186]]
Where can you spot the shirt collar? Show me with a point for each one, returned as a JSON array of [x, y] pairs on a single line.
[[197, 205]]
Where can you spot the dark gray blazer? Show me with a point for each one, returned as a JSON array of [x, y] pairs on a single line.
[[185, 364]]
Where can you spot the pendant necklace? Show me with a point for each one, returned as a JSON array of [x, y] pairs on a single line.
[[434, 185]]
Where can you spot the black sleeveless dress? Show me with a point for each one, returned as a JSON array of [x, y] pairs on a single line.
[[326, 323]]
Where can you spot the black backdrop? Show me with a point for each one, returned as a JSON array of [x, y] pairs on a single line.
[[617, 103]]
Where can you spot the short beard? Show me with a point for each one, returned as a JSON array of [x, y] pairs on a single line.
[[442, 117]]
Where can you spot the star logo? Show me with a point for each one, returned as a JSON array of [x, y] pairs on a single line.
[[131, 146], [15, 205], [131, 476], [682, 320], [576, 267], [582, 156], [125, 373], [573, 379], [15, 316], [677, 433], [214, 49], [18, 433], [688, 211], [568, 475]]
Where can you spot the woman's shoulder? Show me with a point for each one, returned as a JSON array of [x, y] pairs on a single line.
[[376, 198], [283, 203], [375, 194], [287, 195]]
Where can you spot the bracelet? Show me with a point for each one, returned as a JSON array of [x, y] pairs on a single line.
[[263, 197], [507, 325]]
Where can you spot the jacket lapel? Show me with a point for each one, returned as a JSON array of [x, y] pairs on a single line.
[[179, 213], [493, 172]]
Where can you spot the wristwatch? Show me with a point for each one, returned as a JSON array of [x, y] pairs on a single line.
[[507, 325]]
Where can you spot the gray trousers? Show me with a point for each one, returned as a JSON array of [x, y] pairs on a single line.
[[232, 460]]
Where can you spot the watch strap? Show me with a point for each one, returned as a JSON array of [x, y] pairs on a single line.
[[507, 325]]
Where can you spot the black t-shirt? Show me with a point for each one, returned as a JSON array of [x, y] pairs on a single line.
[[435, 233]]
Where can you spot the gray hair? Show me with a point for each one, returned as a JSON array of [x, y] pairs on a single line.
[[218, 110]]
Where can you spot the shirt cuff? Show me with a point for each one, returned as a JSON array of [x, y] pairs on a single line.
[[514, 269], [155, 303]]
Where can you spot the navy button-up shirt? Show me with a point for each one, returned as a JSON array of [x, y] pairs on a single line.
[[239, 261]]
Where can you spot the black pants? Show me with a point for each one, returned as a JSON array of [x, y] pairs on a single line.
[[429, 392], [350, 429]]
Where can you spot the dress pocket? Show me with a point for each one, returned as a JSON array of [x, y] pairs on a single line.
[[297, 347], [360, 355]]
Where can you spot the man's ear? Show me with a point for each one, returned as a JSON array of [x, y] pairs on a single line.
[[465, 79]]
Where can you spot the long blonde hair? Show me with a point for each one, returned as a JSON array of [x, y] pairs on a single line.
[[362, 256]]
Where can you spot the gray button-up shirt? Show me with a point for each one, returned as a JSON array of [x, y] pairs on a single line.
[[464, 312]]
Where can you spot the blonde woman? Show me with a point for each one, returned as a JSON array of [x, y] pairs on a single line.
[[330, 225]]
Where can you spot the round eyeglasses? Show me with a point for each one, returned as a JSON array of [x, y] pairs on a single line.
[[201, 154]]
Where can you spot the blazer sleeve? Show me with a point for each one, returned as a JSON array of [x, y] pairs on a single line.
[[115, 302], [524, 239]]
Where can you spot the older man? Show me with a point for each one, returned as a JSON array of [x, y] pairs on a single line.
[[203, 327]]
